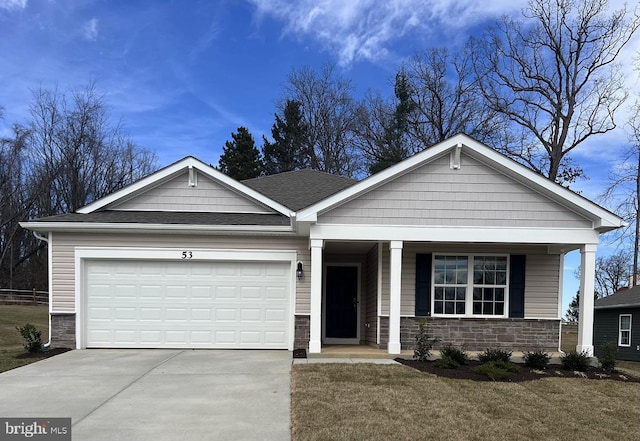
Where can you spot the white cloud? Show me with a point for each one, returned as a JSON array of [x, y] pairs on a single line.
[[11, 5], [364, 29], [90, 29]]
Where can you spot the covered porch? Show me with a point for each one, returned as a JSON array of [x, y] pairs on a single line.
[[365, 297]]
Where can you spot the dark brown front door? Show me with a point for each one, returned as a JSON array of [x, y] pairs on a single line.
[[342, 302]]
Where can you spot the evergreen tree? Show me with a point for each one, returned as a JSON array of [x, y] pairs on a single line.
[[240, 158], [573, 312], [289, 134], [394, 146]]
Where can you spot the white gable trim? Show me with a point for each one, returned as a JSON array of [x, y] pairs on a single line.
[[175, 168], [602, 218]]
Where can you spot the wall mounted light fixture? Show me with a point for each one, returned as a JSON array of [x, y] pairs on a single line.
[[299, 271]]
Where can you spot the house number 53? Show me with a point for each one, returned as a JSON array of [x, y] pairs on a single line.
[[187, 255]]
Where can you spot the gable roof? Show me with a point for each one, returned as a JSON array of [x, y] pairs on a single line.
[[625, 298], [174, 169], [300, 188], [603, 220]]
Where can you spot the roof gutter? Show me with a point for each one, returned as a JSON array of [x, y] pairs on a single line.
[[137, 227]]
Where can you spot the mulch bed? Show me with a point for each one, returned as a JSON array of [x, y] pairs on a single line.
[[466, 372], [44, 354]]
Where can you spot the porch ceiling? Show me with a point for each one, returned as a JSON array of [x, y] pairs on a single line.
[[348, 247]]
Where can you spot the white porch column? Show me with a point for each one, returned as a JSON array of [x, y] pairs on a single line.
[[315, 325], [395, 273], [587, 277]]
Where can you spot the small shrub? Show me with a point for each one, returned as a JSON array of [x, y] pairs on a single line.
[[447, 363], [424, 343], [536, 359], [608, 358], [497, 370], [32, 337], [494, 354], [457, 355], [575, 361]]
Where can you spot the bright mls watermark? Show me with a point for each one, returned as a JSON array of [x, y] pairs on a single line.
[[41, 429]]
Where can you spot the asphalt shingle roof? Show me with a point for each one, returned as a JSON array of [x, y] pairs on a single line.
[[300, 188], [626, 297], [171, 217]]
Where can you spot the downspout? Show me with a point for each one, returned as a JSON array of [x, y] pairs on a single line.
[[45, 239]]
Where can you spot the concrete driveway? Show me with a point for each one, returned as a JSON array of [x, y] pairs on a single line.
[[156, 395]]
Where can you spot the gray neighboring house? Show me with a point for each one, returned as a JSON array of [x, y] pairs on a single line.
[[617, 319], [458, 235]]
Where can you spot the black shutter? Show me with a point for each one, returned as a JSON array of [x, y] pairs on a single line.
[[516, 286], [423, 284]]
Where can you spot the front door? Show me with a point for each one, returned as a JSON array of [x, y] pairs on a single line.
[[341, 304]]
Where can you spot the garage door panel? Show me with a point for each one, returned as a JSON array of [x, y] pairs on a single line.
[[187, 304]]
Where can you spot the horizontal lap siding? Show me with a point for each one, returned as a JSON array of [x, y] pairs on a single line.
[[542, 276], [474, 196], [207, 196], [64, 244]]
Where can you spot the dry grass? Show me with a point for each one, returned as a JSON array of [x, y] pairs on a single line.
[[631, 366], [382, 402], [11, 342], [569, 337]]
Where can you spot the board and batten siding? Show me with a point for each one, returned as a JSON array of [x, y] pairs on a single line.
[[64, 244], [474, 196], [606, 328], [542, 276], [177, 195]]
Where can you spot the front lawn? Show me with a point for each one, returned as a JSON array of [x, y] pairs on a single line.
[[11, 342], [382, 402]]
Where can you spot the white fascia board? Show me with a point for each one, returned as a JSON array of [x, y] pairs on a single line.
[[603, 219], [175, 168], [500, 235], [126, 227]]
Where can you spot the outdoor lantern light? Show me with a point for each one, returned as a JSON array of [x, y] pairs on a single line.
[[299, 271]]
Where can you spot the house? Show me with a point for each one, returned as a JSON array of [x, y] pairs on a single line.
[[617, 319], [458, 235]]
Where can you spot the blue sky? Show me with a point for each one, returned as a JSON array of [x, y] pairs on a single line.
[[182, 75]]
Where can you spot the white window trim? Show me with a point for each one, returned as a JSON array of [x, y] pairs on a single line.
[[469, 286], [620, 330]]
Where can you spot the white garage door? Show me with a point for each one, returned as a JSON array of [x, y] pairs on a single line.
[[168, 304]]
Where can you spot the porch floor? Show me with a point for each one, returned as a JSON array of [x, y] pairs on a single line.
[[365, 351], [356, 351]]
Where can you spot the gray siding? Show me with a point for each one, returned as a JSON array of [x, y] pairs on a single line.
[[64, 244], [606, 328], [542, 276], [475, 195], [176, 195]]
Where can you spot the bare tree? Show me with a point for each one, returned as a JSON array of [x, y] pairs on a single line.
[[447, 100], [554, 75], [329, 113], [612, 273], [69, 155], [624, 189], [86, 156]]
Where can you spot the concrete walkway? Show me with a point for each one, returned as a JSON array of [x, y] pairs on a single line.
[[157, 395]]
